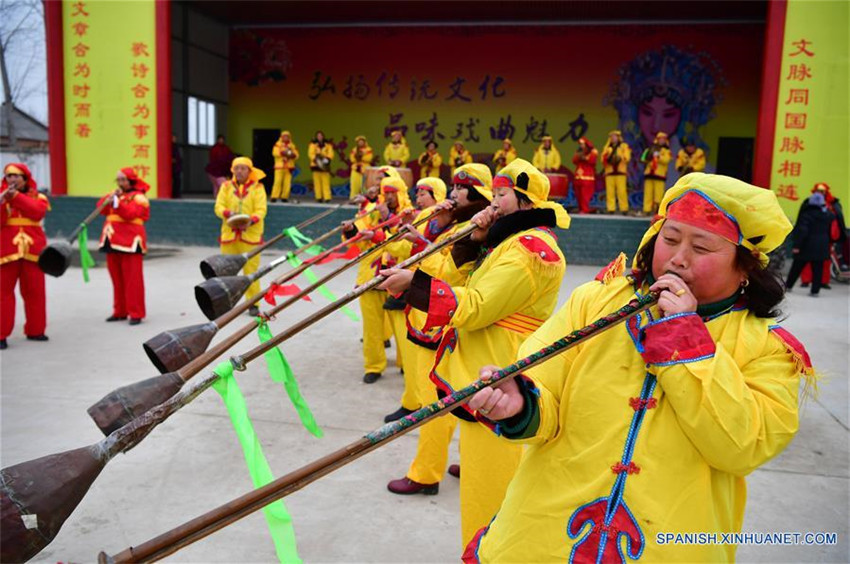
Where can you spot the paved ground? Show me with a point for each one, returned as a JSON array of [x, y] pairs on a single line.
[[193, 463]]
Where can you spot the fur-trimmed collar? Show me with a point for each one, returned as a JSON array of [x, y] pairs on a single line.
[[519, 221]]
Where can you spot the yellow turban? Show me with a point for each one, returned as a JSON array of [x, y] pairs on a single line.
[[256, 174], [741, 213], [476, 175], [434, 185], [524, 177]]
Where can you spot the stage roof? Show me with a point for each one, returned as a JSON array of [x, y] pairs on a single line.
[[359, 12]]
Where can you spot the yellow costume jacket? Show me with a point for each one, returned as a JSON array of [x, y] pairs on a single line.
[[281, 159], [508, 296], [365, 159], [695, 162], [648, 428], [465, 156], [370, 265], [625, 154], [397, 152], [433, 170], [249, 199], [656, 167], [510, 156], [543, 160], [314, 151]]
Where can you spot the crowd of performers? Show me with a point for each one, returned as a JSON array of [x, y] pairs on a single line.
[[614, 160], [651, 426]]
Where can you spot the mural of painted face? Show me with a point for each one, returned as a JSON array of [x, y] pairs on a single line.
[[658, 114]]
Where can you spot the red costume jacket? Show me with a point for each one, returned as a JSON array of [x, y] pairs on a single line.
[[124, 228], [21, 234], [586, 169]]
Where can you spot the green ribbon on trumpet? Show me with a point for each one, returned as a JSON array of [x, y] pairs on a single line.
[[86, 260], [299, 240], [277, 517], [280, 371], [295, 262]]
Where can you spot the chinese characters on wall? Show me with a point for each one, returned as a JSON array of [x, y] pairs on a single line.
[[141, 115], [78, 27]]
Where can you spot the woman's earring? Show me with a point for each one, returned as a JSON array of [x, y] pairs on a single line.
[[745, 283]]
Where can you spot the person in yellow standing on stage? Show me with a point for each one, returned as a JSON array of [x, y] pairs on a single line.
[[459, 155], [504, 156], [652, 426], [511, 292], [372, 302], [397, 153], [430, 161], [547, 157], [361, 157], [657, 158], [615, 162], [690, 158], [244, 195], [471, 193], [285, 154], [321, 154]]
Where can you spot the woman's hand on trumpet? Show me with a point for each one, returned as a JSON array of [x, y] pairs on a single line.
[[675, 295], [484, 220], [498, 402], [398, 280]]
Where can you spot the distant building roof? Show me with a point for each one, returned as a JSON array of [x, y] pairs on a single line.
[[27, 128]]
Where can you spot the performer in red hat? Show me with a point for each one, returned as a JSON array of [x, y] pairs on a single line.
[[22, 239], [125, 243]]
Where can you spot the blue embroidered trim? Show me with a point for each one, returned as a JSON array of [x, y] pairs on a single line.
[[669, 317], [684, 360]]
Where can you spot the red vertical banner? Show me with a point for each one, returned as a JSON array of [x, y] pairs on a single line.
[[56, 98], [770, 78], [163, 97]]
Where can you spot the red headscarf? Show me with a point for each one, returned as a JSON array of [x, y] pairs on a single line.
[[587, 142], [824, 187], [136, 183], [18, 168]]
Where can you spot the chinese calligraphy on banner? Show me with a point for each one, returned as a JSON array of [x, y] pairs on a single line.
[[110, 93], [811, 142]]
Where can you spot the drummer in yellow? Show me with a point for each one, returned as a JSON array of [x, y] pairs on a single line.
[[397, 153], [361, 157], [650, 428], [510, 294], [285, 154], [504, 156], [372, 302], [321, 154], [547, 158], [459, 156], [243, 195], [430, 161]]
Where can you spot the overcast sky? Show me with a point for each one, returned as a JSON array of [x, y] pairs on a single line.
[[25, 55]]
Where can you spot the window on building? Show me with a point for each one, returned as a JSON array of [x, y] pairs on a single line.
[[202, 126]]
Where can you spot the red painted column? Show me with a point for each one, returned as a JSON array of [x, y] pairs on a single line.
[[774, 38], [163, 98], [55, 96]]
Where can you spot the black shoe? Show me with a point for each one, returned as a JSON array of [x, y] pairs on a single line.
[[371, 377], [285, 200], [112, 318], [135, 321], [387, 344], [397, 414], [406, 486], [826, 287], [41, 337], [3, 344], [804, 285], [273, 200], [253, 311]]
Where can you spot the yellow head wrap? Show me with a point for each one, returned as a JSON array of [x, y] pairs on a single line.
[[434, 185], [256, 174], [744, 214], [476, 175], [524, 177], [400, 187]]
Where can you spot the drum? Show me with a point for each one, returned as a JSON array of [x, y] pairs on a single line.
[[558, 186], [372, 176], [323, 164], [239, 221]]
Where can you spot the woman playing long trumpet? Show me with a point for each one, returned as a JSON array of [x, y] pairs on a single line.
[[652, 426], [125, 242], [22, 209]]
